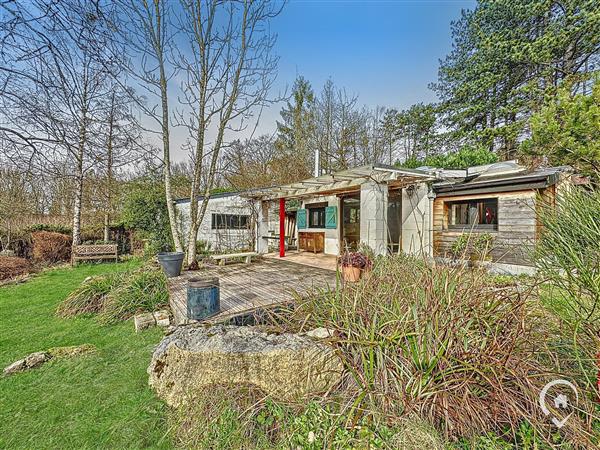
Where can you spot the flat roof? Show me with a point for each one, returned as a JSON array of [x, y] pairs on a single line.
[[178, 201]]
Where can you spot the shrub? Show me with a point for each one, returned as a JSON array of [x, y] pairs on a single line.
[[568, 252], [142, 290], [117, 296], [242, 417], [89, 297], [482, 245], [11, 266], [436, 341], [50, 247], [459, 246], [568, 256], [51, 228]]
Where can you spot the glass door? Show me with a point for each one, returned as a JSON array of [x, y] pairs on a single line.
[[350, 222], [394, 221]]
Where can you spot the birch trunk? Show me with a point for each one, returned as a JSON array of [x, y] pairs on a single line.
[[109, 169], [79, 178], [158, 43]]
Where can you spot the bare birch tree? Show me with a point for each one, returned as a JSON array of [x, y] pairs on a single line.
[[53, 79], [229, 72], [150, 36]]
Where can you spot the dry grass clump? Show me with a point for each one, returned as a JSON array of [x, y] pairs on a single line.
[[11, 267], [117, 296], [143, 290], [89, 297], [438, 342], [51, 247]]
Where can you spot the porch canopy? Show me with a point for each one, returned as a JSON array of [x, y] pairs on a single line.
[[348, 180], [343, 181]]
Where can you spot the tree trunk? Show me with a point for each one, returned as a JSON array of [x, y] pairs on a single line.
[[79, 171], [167, 158], [109, 169]]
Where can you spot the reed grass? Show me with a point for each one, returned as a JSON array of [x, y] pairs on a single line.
[[443, 343]]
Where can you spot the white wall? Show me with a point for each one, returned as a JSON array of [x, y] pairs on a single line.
[[417, 220], [373, 216], [221, 240], [332, 236]]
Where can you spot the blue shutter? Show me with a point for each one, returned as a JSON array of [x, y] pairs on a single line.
[[331, 217], [301, 218]]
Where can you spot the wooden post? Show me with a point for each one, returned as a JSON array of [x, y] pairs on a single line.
[[281, 227]]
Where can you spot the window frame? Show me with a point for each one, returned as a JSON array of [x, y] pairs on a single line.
[[319, 208], [483, 227], [224, 221]]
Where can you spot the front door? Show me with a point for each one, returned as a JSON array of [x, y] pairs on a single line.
[[350, 222]]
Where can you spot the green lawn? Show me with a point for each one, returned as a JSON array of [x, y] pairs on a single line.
[[93, 401]]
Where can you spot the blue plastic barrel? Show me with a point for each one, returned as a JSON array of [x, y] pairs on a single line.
[[203, 298]]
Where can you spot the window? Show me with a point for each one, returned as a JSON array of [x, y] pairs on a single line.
[[229, 222], [476, 214], [316, 215]]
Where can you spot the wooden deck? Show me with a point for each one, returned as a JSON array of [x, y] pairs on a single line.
[[245, 288]]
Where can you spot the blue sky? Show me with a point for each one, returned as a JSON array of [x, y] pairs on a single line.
[[385, 52]]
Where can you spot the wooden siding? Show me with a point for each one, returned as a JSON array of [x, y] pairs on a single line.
[[517, 226]]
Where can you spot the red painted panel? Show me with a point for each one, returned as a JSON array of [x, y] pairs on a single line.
[[281, 227]]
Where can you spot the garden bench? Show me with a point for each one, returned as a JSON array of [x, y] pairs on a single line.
[[246, 255], [96, 251]]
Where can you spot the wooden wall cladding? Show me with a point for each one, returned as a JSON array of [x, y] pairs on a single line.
[[517, 226]]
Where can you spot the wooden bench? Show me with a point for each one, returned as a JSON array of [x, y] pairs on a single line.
[[96, 251], [246, 255]]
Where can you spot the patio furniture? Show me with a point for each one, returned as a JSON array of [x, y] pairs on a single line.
[[314, 242], [95, 251], [246, 255]]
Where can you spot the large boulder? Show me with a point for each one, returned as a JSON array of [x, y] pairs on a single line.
[[286, 366]]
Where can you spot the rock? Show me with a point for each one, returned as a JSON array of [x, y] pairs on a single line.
[[320, 333], [29, 362], [73, 350], [287, 366], [17, 366], [162, 318], [36, 359], [142, 321]]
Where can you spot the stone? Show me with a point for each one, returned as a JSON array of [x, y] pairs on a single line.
[[143, 321], [320, 333], [36, 359], [17, 366], [162, 318], [31, 361], [286, 366]]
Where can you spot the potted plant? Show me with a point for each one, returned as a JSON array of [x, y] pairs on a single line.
[[353, 263], [482, 247]]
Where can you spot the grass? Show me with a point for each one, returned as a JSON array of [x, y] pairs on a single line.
[[100, 400]]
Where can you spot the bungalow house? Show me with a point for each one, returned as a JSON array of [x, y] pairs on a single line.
[[390, 209]]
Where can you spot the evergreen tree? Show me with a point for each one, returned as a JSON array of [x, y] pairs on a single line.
[[567, 131], [507, 56], [295, 129]]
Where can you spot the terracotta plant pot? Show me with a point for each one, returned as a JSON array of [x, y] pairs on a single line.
[[351, 273]]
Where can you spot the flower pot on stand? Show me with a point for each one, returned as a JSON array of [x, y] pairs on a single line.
[[350, 273]]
